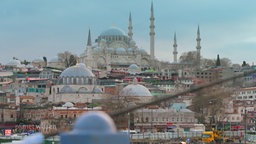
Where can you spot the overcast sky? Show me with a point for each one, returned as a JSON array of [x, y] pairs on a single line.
[[31, 29]]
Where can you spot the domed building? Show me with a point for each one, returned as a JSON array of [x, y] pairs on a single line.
[[134, 69], [76, 84], [38, 63], [136, 92], [115, 50]]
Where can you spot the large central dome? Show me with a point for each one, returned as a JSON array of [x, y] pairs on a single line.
[[113, 31]]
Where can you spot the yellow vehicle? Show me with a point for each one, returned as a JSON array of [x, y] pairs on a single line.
[[214, 137]]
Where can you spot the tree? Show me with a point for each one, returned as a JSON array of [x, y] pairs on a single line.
[[225, 62], [209, 104], [206, 63], [67, 58], [45, 61], [25, 62], [72, 60], [188, 57]]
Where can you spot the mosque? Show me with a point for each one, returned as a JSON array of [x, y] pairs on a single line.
[[115, 50]]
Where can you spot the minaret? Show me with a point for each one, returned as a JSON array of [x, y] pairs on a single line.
[[130, 27], [89, 58], [175, 52], [89, 44], [198, 47], [152, 33]]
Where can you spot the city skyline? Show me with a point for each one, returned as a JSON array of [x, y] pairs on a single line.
[[33, 29]]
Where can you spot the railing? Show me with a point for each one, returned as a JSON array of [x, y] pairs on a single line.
[[173, 135]]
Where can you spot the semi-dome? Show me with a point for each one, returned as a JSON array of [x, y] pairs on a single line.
[[110, 50], [113, 31], [97, 90], [79, 70], [120, 50], [66, 89], [82, 90], [135, 89]]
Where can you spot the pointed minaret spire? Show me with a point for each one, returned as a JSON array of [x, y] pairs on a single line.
[[175, 52], [89, 45], [152, 33], [218, 61], [130, 34], [89, 41], [198, 46]]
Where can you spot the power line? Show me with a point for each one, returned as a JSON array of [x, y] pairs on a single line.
[[169, 97]]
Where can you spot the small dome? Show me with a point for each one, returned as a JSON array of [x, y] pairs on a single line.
[[130, 49], [14, 63], [68, 105], [133, 66], [79, 70], [134, 69], [97, 49], [97, 90], [114, 31], [135, 90], [132, 42], [142, 51], [66, 89]]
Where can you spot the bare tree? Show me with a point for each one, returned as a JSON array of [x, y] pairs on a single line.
[[225, 62], [209, 106], [188, 57], [67, 58]]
